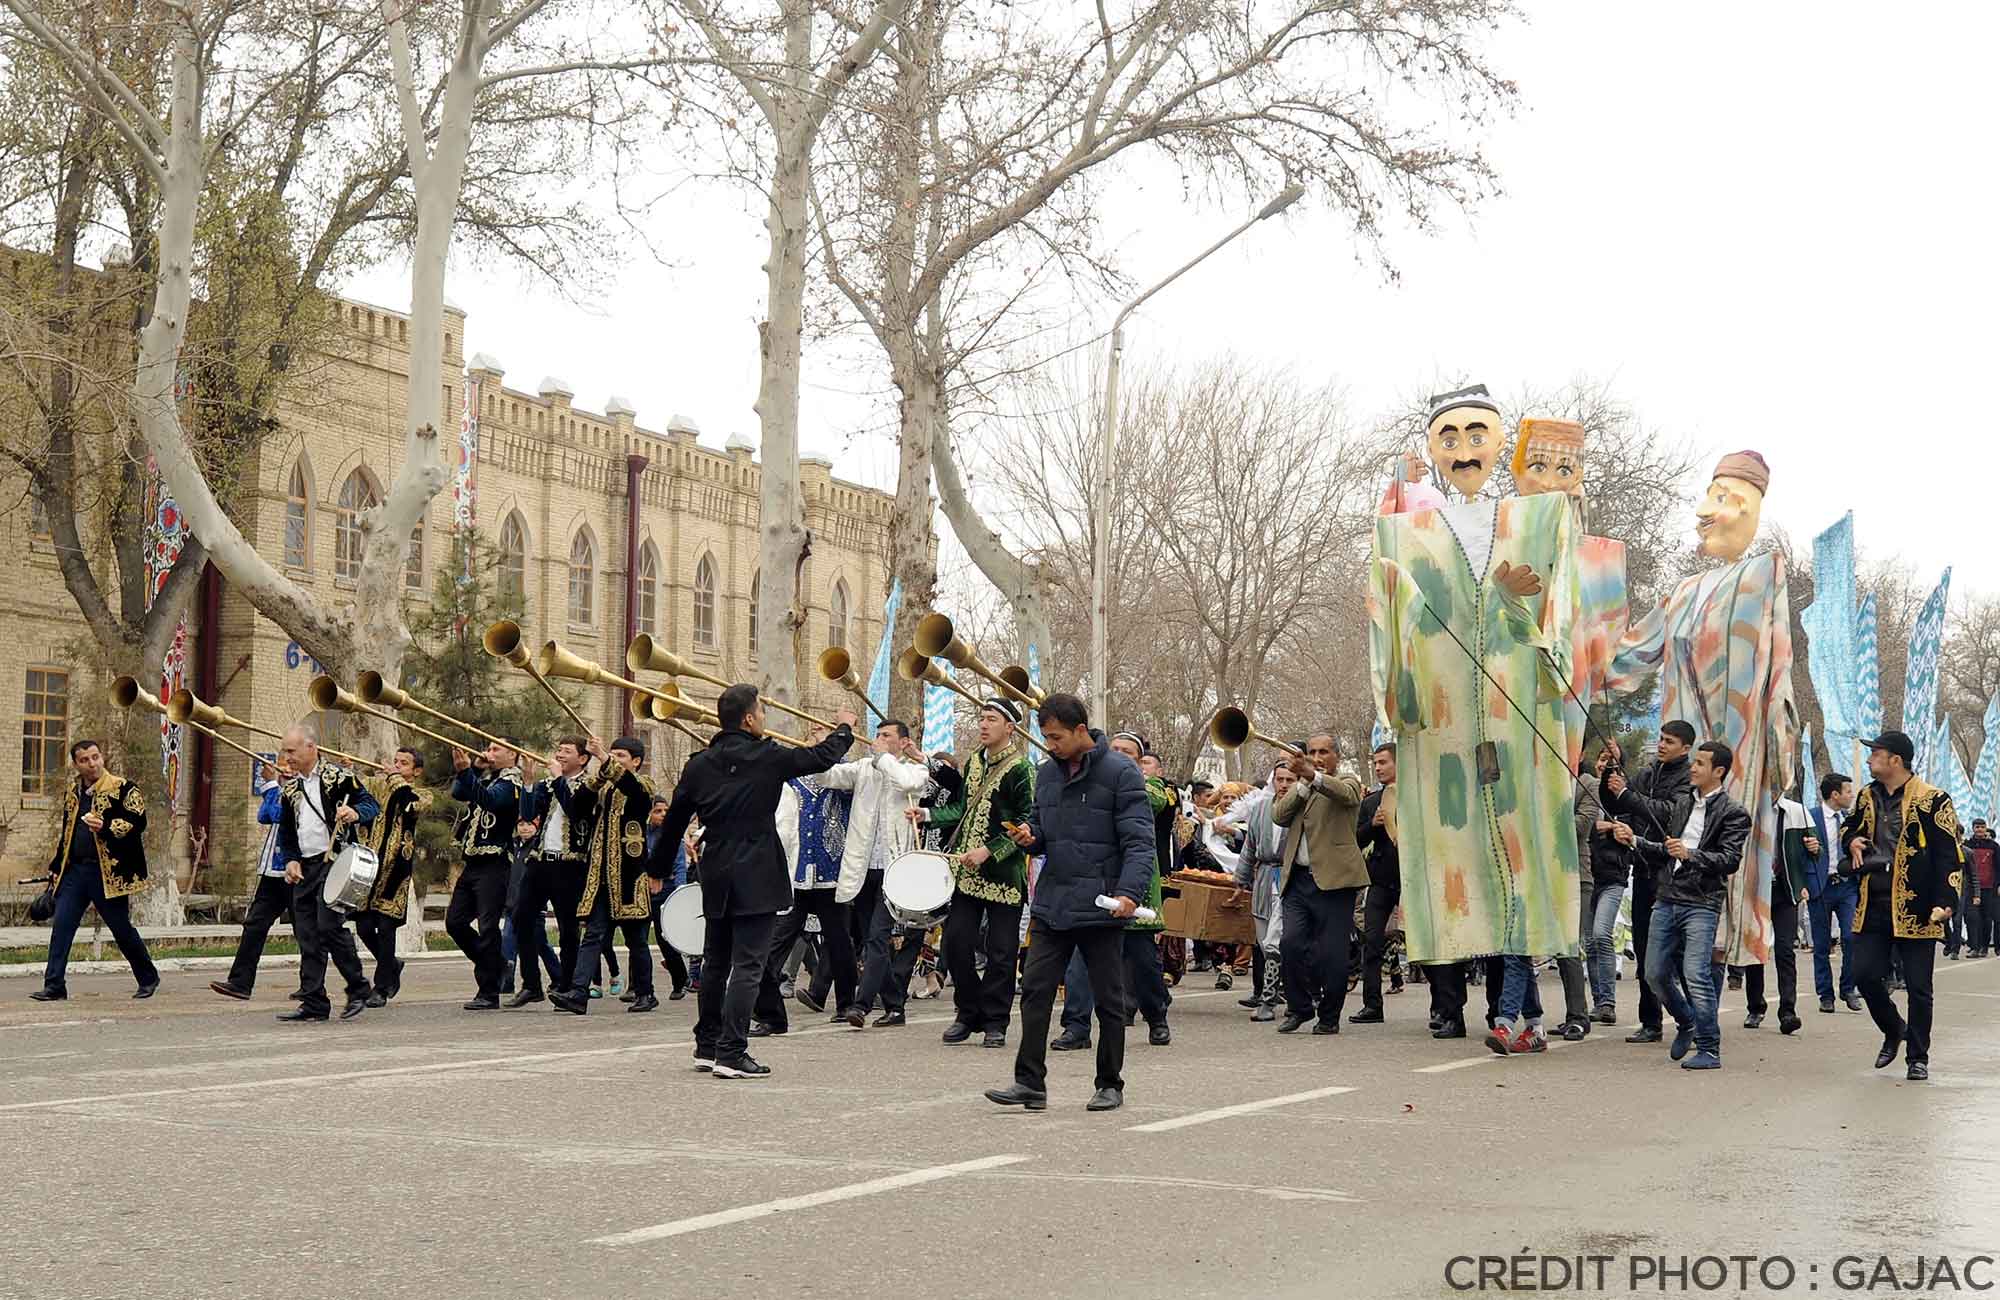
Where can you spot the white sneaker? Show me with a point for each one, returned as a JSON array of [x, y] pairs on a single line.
[[705, 1064]]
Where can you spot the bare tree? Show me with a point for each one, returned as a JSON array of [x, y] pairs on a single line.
[[792, 60], [966, 188]]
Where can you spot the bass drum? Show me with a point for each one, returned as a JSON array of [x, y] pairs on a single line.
[[681, 920], [917, 889], [351, 879]]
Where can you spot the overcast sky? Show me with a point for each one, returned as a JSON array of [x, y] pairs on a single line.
[[1771, 226]]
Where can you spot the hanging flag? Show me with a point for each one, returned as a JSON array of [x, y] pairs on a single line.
[[1830, 624], [1951, 770], [1920, 683], [1985, 800], [940, 719], [1808, 787], [878, 680], [465, 468], [1035, 684], [165, 535]]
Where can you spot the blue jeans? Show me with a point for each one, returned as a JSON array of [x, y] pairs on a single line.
[[83, 888], [1601, 948], [1519, 992], [1835, 902], [1680, 954]]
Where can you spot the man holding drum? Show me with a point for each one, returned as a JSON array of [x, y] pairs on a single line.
[[886, 786], [321, 805]]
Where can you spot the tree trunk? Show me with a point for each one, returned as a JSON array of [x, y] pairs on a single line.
[[909, 524], [780, 507], [1023, 583]]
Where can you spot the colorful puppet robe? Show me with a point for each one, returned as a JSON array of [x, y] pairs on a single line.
[[1604, 615], [1488, 839], [1722, 646]]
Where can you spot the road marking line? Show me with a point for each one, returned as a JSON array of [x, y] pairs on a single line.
[[393, 1071], [1967, 993], [1449, 1066], [744, 1213], [1229, 1112]]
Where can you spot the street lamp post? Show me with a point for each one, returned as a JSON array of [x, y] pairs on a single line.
[[1100, 574]]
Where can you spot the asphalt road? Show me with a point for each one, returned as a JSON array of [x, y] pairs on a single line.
[[193, 1148]]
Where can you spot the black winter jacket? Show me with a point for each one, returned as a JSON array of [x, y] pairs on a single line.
[[1096, 830]]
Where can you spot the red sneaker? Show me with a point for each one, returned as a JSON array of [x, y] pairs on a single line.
[[1502, 1045], [1531, 1039]]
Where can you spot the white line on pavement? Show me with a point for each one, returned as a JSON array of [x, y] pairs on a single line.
[[743, 1213], [1555, 1045], [1229, 1112]]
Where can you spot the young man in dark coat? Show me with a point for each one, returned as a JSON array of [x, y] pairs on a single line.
[[733, 786], [1093, 824]]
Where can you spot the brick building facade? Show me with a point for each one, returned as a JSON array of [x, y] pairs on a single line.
[[551, 495]]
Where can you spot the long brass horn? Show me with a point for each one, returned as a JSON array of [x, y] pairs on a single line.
[[126, 692], [646, 705], [937, 639], [503, 641], [1017, 677], [670, 708], [186, 708], [837, 666], [644, 654], [1230, 729], [914, 667], [325, 695]]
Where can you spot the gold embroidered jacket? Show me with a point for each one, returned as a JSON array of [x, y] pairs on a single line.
[[485, 826], [1928, 866], [121, 845], [395, 843], [617, 857], [998, 788]]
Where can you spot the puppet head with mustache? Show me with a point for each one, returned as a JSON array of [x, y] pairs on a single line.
[[1465, 437]]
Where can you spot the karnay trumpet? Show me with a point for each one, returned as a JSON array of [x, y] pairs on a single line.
[[187, 709], [670, 709], [644, 654], [937, 639], [503, 641], [1230, 729], [371, 689], [914, 667], [126, 692], [837, 666], [325, 695]]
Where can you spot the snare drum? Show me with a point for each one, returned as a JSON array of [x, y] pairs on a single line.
[[917, 889], [681, 920], [351, 879]]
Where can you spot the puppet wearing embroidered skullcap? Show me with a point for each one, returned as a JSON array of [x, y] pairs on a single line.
[[1722, 647], [1472, 606]]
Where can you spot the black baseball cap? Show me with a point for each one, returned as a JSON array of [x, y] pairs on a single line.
[[1894, 742]]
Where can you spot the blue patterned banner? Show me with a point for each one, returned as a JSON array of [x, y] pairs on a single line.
[[1808, 784], [878, 681], [1035, 681], [1920, 683], [940, 719], [1985, 800], [1867, 649], [1833, 658], [1951, 771]]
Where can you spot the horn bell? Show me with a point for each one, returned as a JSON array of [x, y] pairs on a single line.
[[1229, 728], [502, 640], [370, 688], [126, 692], [554, 660]]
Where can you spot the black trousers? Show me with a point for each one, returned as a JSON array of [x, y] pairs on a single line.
[[1447, 985], [1642, 921], [734, 953], [472, 919], [378, 934], [835, 941], [1376, 910], [1145, 985], [670, 956], [886, 965], [322, 933], [548, 881], [1872, 952], [985, 1003], [597, 937], [1313, 946], [1784, 955], [1983, 917], [272, 900], [1103, 949]]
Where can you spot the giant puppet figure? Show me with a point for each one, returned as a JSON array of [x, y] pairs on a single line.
[[1471, 610], [1549, 457], [1722, 646]]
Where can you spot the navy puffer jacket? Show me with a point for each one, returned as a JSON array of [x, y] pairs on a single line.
[[1096, 830]]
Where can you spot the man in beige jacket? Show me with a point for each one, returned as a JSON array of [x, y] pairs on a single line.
[[1320, 873]]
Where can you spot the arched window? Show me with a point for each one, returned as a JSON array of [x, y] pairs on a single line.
[[582, 579], [356, 495], [413, 563], [649, 590], [836, 616], [704, 603], [514, 557], [756, 586], [298, 518]]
